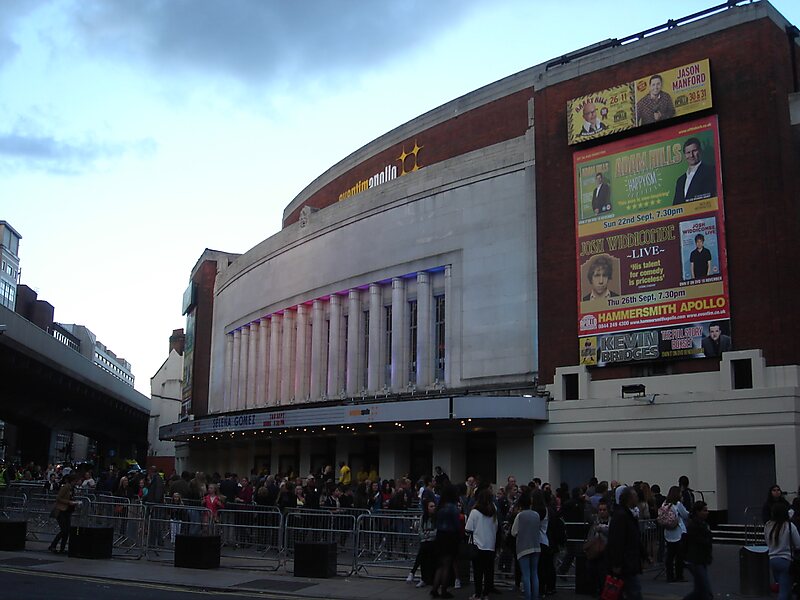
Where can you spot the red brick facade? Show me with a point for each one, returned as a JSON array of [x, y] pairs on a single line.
[[492, 123], [751, 72]]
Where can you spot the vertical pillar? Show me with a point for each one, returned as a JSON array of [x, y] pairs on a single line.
[[226, 384], [237, 347], [448, 323], [244, 361], [262, 367], [301, 356], [274, 385], [334, 355], [252, 358], [353, 342], [317, 330], [424, 331], [399, 367], [375, 328], [287, 358]]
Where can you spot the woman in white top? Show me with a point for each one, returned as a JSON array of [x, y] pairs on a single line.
[[676, 547], [482, 526], [782, 537]]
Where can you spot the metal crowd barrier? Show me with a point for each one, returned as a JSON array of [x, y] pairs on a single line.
[[164, 522], [310, 525], [387, 541], [127, 520], [251, 532]]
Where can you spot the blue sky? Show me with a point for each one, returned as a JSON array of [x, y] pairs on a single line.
[[136, 133]]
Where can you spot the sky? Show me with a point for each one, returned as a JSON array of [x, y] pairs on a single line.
[[136, 133]]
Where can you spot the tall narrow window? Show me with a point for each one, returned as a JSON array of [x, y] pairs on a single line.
[[365, 320], [387, 373], [345, 329], [439, 327], [412, 340]]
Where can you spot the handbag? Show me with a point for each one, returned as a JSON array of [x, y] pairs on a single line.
[[472, 548], [594, 547], [612, 588]]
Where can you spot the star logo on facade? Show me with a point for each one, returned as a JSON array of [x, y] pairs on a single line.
[[404, 155]]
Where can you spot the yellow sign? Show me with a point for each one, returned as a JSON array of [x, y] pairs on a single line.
[[673, 93], [600, 113], [650, 99]]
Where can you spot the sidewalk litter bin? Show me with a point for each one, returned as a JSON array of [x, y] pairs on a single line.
[[197, 551], [754, 571], [91, 542], [315, 559], [12, 534]]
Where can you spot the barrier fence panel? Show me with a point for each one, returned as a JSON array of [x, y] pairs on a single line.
[[306, 525], [251, 532], [386, 544], [127, 520], [164, 522], [12, 501]]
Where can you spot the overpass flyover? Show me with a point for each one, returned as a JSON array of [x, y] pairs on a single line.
[[45, 386]]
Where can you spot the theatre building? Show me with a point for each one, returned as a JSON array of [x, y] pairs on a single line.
[[586, 268]]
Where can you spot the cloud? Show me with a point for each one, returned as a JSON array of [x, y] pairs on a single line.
[[11, 13], [41, 152], [261, 42]]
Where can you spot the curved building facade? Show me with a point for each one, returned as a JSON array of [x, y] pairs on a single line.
[[435, 298]]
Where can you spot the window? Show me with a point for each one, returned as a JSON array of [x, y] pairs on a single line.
[[8, 294], [346, 328], [366, 349], [387, 375], [439, 329], [412, 340]]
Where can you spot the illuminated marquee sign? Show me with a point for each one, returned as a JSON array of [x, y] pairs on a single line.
[[387, 173]]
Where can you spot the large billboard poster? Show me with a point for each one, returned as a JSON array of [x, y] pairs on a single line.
[[650, 99], [651, 262]]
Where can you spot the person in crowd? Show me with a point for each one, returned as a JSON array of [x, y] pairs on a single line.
[[774, 496], [375, 497], [299, 497], [526, 531], [687, 493], [448, 537], [345, 475], [595, 546], [311, 493], [698, 552], [552, 536], [675, 538], [213, 502], [286, 497], [51, 485], [782, 540], [482, 528], [246, 492], [573, 511], [62, 511], [426, 554], [624, 550]]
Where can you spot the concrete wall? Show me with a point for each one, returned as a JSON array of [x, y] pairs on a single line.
[[474, 213]]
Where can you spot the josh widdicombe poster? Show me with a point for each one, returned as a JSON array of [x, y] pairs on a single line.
[[650, 238]]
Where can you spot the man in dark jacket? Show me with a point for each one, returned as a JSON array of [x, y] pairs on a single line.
[[311, 493], [625, 550]]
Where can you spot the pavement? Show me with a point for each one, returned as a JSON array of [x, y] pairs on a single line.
[[269, 579]]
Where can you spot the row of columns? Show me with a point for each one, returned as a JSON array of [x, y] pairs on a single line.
[[297, 355]]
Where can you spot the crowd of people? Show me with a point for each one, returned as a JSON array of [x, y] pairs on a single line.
[[532, 530]]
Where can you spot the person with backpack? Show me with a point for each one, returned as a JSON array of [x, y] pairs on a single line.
[[672, 517]]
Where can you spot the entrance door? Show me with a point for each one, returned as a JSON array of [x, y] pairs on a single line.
[[577, 467], [750, 470], [420, 457]]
